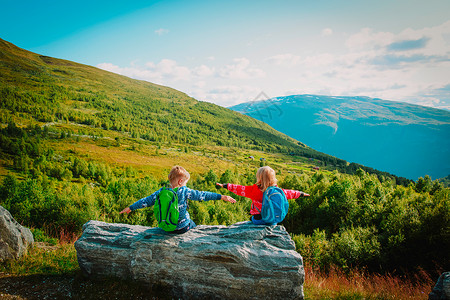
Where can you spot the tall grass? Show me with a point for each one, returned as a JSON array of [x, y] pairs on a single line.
[[335, 284], [56, 260], [47, 256]]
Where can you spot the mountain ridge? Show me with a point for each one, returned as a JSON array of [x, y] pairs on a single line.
[[58, 89], [326, 122]]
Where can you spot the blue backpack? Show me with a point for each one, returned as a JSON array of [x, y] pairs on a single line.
[[275, 205]]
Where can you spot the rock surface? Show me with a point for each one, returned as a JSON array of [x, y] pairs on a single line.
[[441, 290], [14, 238], [241, 261]]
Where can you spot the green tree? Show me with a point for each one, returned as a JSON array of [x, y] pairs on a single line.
[[423, 184], [211, 177]]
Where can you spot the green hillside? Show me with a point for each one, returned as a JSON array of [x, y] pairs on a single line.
[[46, 90]]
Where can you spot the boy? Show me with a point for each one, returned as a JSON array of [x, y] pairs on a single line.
[[178, 177]]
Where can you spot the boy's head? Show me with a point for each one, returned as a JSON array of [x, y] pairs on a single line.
[[178, 176], [265, 177]]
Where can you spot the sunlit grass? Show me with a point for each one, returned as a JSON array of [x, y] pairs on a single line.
[[48, 260], [157, 161], [360, 285]]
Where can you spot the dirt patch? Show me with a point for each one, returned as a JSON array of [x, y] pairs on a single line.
[[70, 286]]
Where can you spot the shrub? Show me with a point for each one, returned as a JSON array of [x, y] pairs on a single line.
[[314, 248], [40, 236], [354, 247]]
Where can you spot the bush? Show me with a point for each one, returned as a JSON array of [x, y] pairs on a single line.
[[40, 236], [354, 248], [370, 223], [314, 248]]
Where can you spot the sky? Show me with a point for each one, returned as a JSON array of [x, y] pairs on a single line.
[[229, 52]]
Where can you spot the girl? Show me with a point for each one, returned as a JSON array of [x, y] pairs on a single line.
[[265, 177]]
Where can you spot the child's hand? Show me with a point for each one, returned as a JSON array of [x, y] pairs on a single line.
[[219, 185], [304, 195], [228, 198], [126, 210]]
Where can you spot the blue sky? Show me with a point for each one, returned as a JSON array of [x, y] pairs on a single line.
[[227, 52]]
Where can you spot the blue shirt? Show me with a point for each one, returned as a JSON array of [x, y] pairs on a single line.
[[184, 193]]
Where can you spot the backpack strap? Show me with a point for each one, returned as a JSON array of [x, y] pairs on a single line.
[[167, 212], [168, 207]]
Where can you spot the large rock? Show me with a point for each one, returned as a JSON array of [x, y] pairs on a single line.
[[14, 238], [441, 290], [241, 261]]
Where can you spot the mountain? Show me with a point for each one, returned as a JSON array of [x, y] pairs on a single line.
[[46, 90], [403, 139]]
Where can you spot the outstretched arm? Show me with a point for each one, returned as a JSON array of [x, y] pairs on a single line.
[[144, 202], [293, 194], [206, 196], [228, 198], [240, 190], [126, 210]]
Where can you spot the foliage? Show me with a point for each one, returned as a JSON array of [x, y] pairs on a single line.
[[349, 220], [43, 203], [445, 182], [40, 236], [358, 221], [40, 260], [50, 90]]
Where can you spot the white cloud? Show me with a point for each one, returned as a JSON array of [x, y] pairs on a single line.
[[383, 64], [426, 41], [412, 65], [165, 72], [201, 82], [327, 32], [435, 96], [438, 39], [133, 72], [204, 71], [161, 31], [170, 68], [228, 95], [287, 59], [240, 69], [323, 59], [366, 39], [109, 67]]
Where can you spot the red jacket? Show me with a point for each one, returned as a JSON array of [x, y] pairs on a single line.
[[253, 192]]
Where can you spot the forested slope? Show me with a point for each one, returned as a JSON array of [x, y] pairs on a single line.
[[47, 90]]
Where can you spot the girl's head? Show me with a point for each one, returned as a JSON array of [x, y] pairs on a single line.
[[265, 177], [178, 176]]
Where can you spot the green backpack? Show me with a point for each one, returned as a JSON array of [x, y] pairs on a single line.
[[166, 209]]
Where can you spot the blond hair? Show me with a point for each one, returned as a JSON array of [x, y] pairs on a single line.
[[178, 172], [265, 177]]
